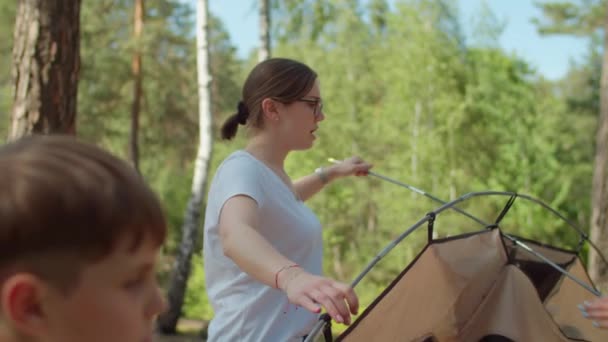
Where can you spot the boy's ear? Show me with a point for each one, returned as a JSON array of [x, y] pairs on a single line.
[[21, 298]]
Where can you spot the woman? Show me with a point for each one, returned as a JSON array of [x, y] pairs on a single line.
[[263, 246]]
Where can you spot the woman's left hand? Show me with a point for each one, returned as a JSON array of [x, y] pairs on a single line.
[[351, 166]]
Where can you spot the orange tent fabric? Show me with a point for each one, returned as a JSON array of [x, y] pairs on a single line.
[[480, 287]]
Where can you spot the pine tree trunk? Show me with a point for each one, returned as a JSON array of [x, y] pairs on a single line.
[[598, 270], [136, 69], [190, 230], [264, 51], [46, 63]]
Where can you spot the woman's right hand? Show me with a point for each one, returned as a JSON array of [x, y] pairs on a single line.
[[309, 291]]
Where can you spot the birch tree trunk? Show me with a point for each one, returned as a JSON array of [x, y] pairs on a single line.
[[46, 63], [168, 321], [415, 137], [264, 51], [598, 270], [136, 70]]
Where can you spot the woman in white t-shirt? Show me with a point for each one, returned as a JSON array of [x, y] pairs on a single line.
[[262, 244]]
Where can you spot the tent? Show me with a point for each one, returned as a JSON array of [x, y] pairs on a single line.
[[481, 286]]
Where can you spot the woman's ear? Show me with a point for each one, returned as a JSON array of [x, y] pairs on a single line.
[[270, 109], [21, 297]]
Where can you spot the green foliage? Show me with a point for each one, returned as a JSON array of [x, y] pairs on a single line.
[[169, 119], [579, 94], [581, 17], [7, 21], [196, 303], [402, 89]]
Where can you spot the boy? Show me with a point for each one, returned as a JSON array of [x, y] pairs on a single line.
[[79, 236]]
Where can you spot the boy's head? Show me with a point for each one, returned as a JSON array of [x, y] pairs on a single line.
[[79, 235]]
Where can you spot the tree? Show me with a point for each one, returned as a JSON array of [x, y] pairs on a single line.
[[587, 20], [298, 19], [138, 24], [46, 63], [264, 52], [181, 271], [599, 215]]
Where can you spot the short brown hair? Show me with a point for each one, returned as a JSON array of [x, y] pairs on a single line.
[[284, 80], [64, 199]]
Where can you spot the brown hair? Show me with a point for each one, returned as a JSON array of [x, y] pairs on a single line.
[[280, 79], [65, 203]]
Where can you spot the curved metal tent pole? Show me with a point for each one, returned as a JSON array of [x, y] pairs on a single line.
[[451, 205], [320, 323], [514, 239], [583, 236]]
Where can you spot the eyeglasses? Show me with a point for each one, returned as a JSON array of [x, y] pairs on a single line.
[[318, 105]]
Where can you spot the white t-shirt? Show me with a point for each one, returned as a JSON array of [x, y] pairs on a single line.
[[245, 309]]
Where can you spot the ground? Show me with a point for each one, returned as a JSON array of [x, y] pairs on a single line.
[[189, 332], [179, 338]]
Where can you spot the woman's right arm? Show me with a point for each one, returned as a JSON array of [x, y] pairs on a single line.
[[249, 250]]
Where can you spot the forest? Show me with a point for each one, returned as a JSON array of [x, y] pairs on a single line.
[[403, 87]]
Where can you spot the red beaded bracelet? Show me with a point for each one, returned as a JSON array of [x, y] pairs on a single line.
[[276, 275]]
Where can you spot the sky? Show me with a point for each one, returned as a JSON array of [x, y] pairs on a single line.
[[549, 55]]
